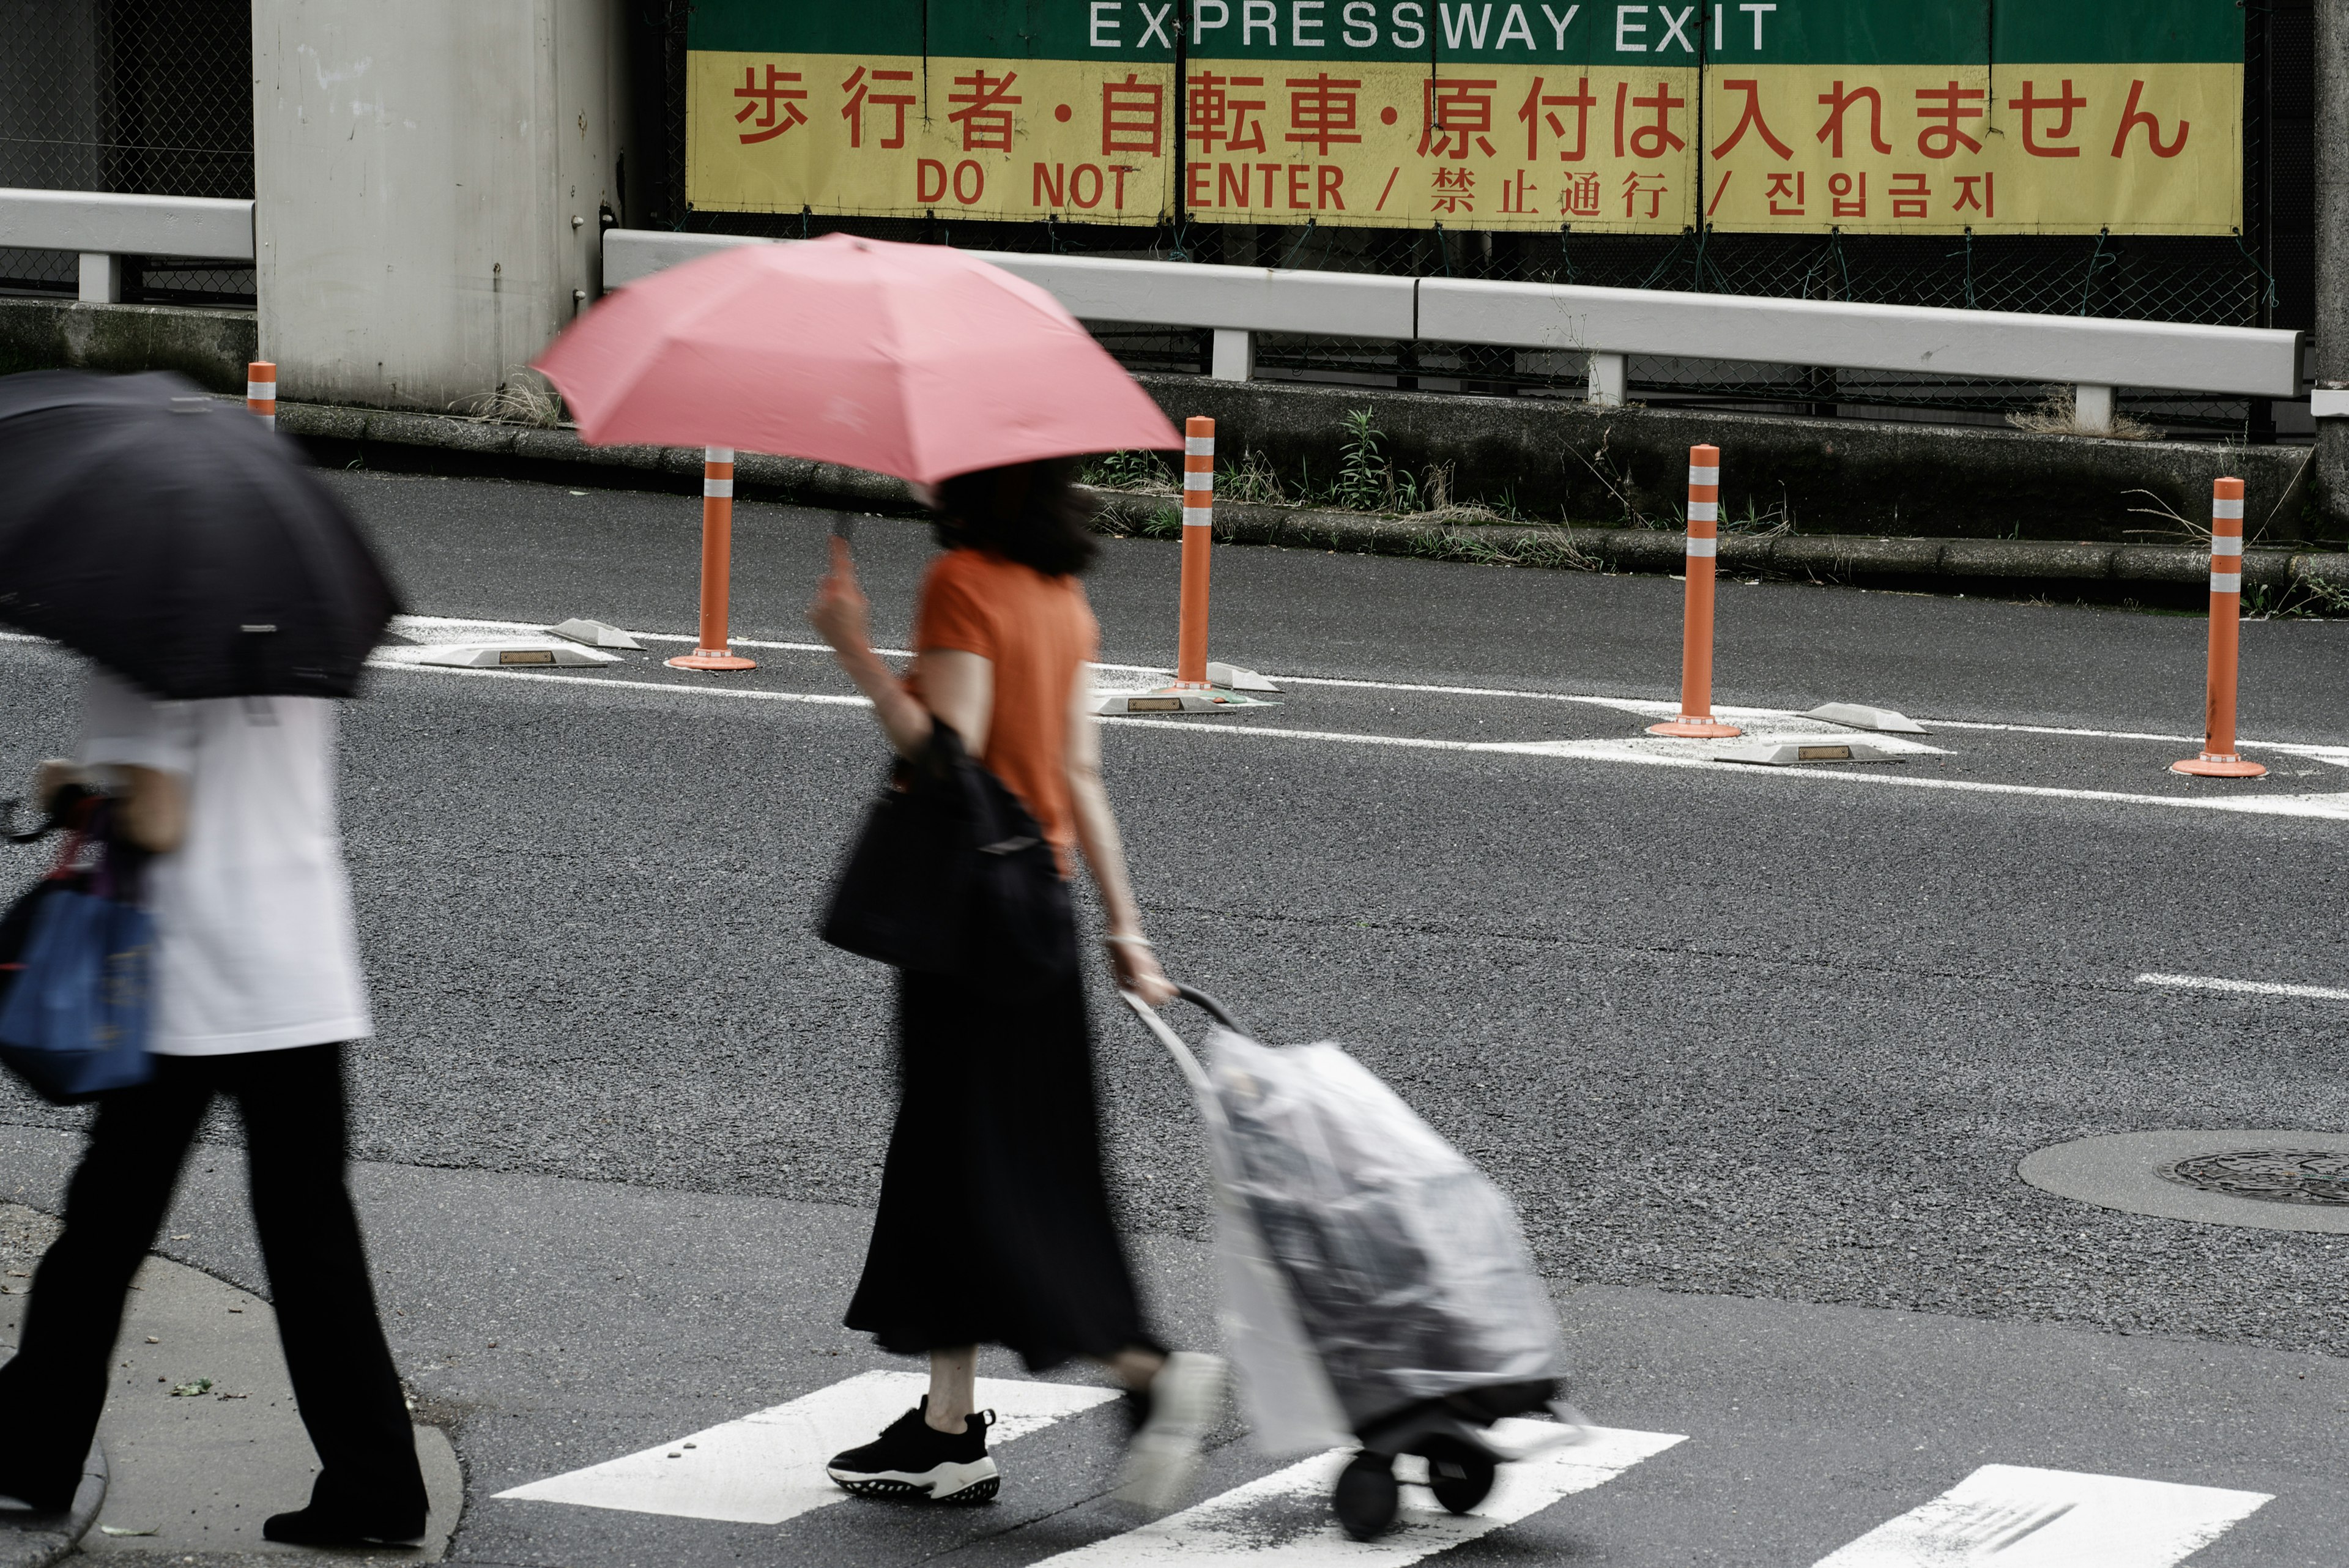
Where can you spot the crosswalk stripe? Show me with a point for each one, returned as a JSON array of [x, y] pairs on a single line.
[[1283, 1521], [2023, 1517], [769, 1467]]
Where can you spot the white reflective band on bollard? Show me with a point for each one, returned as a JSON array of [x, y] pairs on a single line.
[[1704, 476], [262, 391], [1199, 446], [2225, 582], [1697, 547], [721, 487], [2226, 509], [1199, 518], [2226, 544], [1704, 511], [717, 454]]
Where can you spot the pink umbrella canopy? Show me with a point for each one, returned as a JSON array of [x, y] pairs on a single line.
[[916, 360]]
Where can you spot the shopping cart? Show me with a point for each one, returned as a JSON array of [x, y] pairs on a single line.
[[1377, 1292]]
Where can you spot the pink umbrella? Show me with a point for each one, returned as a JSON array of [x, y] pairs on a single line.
[[914, 361]]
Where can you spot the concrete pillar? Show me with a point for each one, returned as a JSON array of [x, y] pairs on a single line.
[[2331, 325], [428, 180]]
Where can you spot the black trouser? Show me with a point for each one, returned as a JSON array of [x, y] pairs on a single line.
[[344, 1382]]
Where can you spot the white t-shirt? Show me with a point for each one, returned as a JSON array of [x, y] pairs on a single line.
[[254, 945]]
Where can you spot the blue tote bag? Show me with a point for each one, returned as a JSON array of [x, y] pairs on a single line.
[[74, 1011]]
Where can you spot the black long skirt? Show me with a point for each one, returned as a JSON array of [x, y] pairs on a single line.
[[994, 1226]]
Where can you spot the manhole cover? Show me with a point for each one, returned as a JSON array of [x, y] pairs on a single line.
[[2272, 1176]]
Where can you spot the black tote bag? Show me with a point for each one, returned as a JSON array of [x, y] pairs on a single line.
[[950, 875]]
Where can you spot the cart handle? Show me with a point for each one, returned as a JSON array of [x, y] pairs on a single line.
[[1184, 1058], [1210, 1006]]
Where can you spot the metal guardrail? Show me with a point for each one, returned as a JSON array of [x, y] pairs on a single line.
[[103, 229], [2094, 355]]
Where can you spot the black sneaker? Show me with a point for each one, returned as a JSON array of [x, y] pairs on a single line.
[[914, 1461]]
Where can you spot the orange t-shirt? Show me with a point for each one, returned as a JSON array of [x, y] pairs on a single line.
[[1038, 633]]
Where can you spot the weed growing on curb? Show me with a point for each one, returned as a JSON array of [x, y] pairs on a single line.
[[1251, 482], [1617, 482], [1128, 471], [525, 397], [1367, 480], [2058, 414]]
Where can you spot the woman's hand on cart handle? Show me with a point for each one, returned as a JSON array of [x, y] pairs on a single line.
[[1135, 963]]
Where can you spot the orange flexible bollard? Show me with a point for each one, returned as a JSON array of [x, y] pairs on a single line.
[[260, 391], [1696, 720], [717, 565], [2218, 760], [1198, 545]]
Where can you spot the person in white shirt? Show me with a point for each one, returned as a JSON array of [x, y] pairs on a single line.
[[256, 993]]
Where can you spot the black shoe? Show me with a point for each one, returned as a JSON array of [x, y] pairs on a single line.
[[914, 1461], [314, 1526]]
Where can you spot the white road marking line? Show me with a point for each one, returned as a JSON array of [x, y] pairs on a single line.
[[768, 1468], [1641, 751], [615, 683], [1645, 707], [1283, 1521], [2248, 987], [2021, 1517]]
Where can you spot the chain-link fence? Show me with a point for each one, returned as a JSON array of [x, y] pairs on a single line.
[[151, 97], [2262, 276]]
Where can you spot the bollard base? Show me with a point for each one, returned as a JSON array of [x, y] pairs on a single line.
[[1687, 729], [2210, 767], [715, 661]]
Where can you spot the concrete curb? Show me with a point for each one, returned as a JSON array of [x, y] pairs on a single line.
[[45, 1539], [441, 444]]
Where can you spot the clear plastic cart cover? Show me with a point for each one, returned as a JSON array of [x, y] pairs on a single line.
[[1403, 1265]]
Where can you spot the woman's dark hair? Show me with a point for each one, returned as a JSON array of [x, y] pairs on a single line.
[[1026, 511]]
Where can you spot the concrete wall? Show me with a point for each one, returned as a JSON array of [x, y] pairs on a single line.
[[1606, 466], [419, 168]]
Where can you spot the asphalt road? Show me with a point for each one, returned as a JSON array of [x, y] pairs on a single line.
[[1767, 1037]]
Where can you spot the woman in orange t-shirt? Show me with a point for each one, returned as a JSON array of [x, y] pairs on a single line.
[[994, 1223]]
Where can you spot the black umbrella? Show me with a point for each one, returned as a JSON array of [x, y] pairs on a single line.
[[176, 540]]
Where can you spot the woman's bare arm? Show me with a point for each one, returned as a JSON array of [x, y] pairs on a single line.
[[959, 687], [1130, 954]]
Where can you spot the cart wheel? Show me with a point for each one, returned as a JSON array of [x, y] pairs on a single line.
[[1460, 1484], [1366, 1497]]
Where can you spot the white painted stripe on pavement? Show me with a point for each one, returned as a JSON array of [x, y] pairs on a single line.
[[1643, 706], [2246, 986], [1665, 754], [1253, 1524], [768, 1468], [2021, 1517]]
